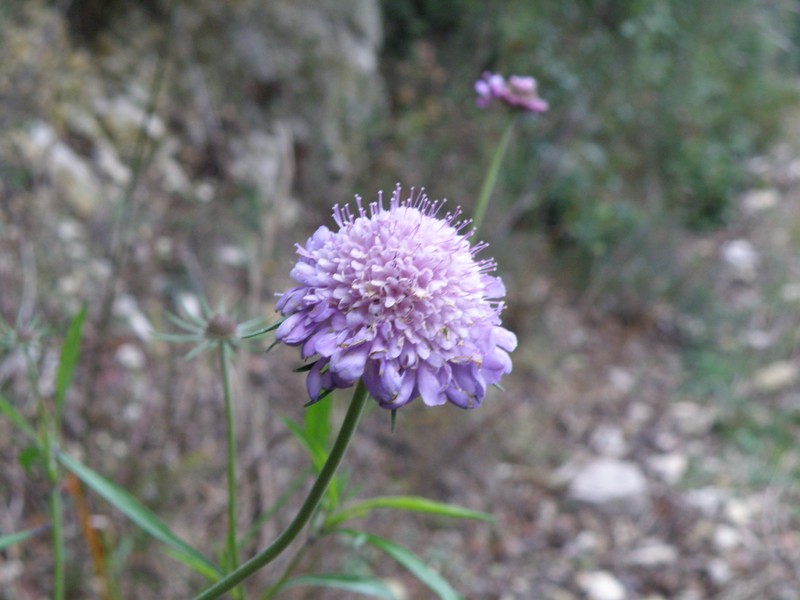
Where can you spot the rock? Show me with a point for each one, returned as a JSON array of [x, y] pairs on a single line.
[[69, 173], [612, 485], [756, 201], [742, 256], [601, 585], [653, 553], [708, 500], [670, 468], [608, 440], [125, 307], [125, 118], [775, 377], [621, 380], [131, 357], [726, 538], [719, 571], [691, 419]]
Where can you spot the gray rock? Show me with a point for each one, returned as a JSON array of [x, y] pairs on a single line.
[[601, 585], [612, 485]]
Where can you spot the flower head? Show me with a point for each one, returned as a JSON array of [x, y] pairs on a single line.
[[518, 92], [397, 296]]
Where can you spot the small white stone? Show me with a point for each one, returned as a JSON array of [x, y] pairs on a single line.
[[726, 538], [739, 512], [691, 418], [756, 201], [719, 571], [621, 380], [125, 307], [601, 585], [608, 440], [612, 485], [742, 256], [670, 468], [790, 292], [708, 500], [652, 554], [131, 357], [775, 377]]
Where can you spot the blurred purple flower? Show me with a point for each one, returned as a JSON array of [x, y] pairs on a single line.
[[396, 296], [518, 92]]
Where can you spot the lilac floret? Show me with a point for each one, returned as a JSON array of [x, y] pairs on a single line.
[[519, 92], [397, 297]]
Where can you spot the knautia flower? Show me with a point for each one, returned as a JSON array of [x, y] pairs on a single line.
[[518, 92], [397, 296]]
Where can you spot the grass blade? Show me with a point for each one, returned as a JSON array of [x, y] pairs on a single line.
[[70, 352], [407, 503], [410, 561], [16, 418], [141, 516], [9, 540], [368, 586]]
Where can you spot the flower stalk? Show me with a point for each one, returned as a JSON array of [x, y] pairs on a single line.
[[309, 505], [230, 428], [490, 180]]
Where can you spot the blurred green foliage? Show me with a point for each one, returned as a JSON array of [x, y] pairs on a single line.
[[655, 104]]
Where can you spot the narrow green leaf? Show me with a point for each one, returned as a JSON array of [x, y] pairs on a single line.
[[266, 329], [141, 516], [407, 503], [318, 423], [198, 565], [413, 563], [29, 456], [15, 538], [315, 451], [16, 418], [318, 454], [368, 586], [70, 352]]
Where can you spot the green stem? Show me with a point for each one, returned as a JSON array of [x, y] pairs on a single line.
[[58, 543], [47, 442], [230, 429], [491, 175], [306, 510]]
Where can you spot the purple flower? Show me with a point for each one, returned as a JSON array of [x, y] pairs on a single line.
[[396, 296], [518, 92]]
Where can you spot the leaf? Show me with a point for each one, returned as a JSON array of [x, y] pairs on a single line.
[[318, 454], [318, 421], [70, 352], [15, 538], [29, 455], [266, 329], [141, 516], [16, 418], [413, 563], [407, 503], [369, 586]]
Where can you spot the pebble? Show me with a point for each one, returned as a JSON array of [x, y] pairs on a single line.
[[742, 256], [612, 485], [691, 418], [601, 585], [775, 377], [669, 468], [652, 554], [756, 201]]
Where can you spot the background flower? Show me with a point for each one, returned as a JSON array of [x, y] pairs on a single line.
[[396, 296], [517, 92]]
